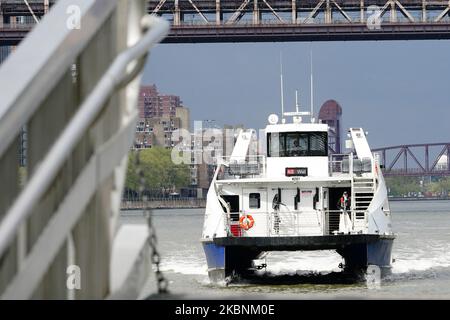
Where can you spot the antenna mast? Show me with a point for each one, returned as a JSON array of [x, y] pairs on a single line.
[[281, 87], [312, 88]]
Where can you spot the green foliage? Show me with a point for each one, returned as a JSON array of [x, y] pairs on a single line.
[[399, 186], [440, 186], [159, 170]]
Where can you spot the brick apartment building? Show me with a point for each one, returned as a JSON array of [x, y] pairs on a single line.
[[159, 116]]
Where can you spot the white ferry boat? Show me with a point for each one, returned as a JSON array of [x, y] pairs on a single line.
[[297, 196]]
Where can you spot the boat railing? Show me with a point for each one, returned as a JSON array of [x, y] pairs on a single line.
[[289, 223], [74, 87], [240, 168], [341, 164], [272, 224]]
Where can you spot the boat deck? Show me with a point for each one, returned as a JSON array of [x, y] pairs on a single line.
[[256, 180], [281, 243]]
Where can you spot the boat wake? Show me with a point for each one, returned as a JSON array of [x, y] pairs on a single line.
[[317, 267]]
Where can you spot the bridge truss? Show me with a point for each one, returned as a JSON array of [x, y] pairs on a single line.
[[432, 159], [197, 21], [306, 20]]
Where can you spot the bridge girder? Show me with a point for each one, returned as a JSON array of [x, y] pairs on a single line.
[[424, 165], [197, 21], [309, 20]]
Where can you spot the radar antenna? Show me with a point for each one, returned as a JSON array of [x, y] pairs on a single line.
[[281, 88]]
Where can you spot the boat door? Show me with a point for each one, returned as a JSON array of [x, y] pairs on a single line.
[[254, 203]]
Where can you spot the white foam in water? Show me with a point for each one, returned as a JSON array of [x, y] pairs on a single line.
[[277, 263], [421, 263], [408, 265], [433, 255], [320, 261], [184, 265], [313, 261], [406, 260]]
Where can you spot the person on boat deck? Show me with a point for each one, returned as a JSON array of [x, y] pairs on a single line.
[[344, 201]]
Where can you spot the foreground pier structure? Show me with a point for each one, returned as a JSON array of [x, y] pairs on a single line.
[[73, 83]]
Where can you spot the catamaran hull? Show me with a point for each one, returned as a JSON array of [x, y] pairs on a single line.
[[215, 259], [377, 254], [228, 262], [231, 257]]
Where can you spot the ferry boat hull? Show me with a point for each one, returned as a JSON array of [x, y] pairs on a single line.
[[228, 257]]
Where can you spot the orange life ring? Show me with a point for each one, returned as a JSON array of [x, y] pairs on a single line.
[[246, 222]]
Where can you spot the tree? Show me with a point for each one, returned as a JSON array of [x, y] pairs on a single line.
[[159, 170], [400, 186]]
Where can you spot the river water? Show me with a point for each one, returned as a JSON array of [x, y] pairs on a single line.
[[421, 269]]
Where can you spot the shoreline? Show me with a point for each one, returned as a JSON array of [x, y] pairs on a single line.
[[201, 203], [418, 199]]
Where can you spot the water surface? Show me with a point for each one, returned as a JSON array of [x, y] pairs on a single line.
[[421, 268]]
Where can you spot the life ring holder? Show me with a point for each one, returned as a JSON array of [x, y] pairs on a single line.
[[246, 222]]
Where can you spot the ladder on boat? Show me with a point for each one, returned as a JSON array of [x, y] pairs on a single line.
[[363, 190]]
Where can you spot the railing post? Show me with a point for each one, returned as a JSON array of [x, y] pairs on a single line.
[[350, 164]]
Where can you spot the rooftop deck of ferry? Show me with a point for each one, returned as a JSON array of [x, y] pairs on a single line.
[[253, 169]]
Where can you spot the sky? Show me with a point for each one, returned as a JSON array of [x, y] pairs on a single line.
[[395, 90]]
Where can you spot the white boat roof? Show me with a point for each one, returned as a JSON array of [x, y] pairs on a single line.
[[296, 127]]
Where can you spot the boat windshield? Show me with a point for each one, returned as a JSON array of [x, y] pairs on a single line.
[[297, 144]]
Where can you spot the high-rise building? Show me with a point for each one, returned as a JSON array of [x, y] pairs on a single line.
[[159, 116]]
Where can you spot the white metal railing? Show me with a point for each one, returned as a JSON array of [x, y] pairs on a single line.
[[255, 166], [276, 223], [81, 161], [349, 163], [252, 166], [290, 223]]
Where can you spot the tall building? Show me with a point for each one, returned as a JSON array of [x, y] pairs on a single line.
[[159, 116], [203, 144], [331, 114]]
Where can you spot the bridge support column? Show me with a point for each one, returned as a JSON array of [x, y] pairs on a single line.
[[46, 6], [448, 157], [256, 12], [328, 15], [176, 15], [294, 11], [1, 14], [405, 159], [218, 13], [393, 12], [361, 6], [424, 10]]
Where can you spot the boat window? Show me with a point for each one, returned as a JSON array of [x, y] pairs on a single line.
[[317, 143], [297, 144], [254, 201], [275, 144]]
